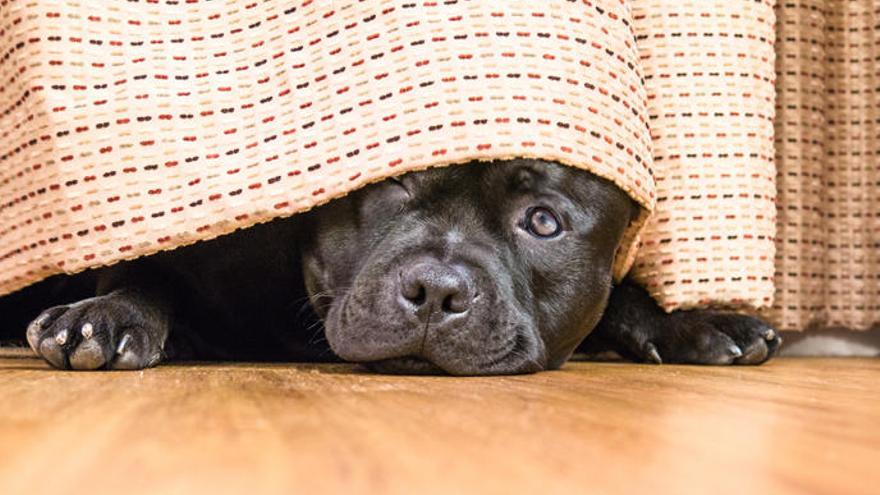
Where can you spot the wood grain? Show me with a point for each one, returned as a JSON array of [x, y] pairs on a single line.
[[792, 426]]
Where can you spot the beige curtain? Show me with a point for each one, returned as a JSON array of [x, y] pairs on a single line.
[[827, 145], [709, 75], [128, 128], [124, 131]]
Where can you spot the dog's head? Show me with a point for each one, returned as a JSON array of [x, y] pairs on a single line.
[[479, 269]]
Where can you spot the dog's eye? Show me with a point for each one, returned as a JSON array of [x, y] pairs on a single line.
[[542, 222]]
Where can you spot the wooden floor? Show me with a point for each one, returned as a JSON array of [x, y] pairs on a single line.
[[792, 426]]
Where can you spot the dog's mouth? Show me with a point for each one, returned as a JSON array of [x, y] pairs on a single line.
[[409, 365], [367, 325]]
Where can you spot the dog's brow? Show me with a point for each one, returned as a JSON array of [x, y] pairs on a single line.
[[525, 178]]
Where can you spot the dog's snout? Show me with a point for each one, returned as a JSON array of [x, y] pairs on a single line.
[[431, 287]]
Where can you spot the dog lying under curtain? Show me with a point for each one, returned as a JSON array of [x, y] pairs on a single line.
[[482, 269]]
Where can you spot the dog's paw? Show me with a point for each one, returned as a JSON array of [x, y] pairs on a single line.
[[710, 337], [635, 327], [106, 332]]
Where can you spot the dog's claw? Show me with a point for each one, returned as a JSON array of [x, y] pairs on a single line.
[[770, 334], [122, 344], [61, 337], [653, 355], [87, 331], [735, 351]]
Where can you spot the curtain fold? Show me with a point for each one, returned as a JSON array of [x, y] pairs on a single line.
[[709, 68], [828, 173]]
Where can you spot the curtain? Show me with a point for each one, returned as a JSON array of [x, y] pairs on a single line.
[[828, 167], [127, 129], [709, 68], [133, 127]]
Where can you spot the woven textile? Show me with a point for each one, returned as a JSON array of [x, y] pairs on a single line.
[[132, 127], [709, 68], [827, 151]]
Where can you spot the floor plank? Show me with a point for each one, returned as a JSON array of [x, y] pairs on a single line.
[[792, 426]]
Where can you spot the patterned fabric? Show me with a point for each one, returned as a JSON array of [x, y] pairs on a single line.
[[710, 82], [132, 127], [827, 147]]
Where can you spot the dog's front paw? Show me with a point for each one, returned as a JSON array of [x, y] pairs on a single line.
[[637, 328], [708, 337], [106, 332]]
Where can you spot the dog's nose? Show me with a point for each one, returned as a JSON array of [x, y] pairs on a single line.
[[431, 287]]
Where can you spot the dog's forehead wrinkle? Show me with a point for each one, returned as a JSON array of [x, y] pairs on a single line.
[[436, 181], [557, 185], [454, 220]]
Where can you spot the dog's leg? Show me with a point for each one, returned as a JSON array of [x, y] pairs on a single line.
[[636, 328], [124, 327]]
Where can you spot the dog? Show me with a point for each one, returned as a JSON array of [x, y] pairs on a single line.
[[482, 269]]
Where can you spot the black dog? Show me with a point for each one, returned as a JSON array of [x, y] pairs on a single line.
[[481, 269]]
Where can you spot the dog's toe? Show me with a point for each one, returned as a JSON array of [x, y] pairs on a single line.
[[133, 352], [713, 347], [89, 355], [756, 354], [52, 352], [758, 340], [757, 350]]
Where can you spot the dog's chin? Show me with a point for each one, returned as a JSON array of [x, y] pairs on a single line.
[[413, 365], [409, 365]]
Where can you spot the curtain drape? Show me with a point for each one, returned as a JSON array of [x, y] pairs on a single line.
[[131, 128], [709, 68], [828, 164]]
